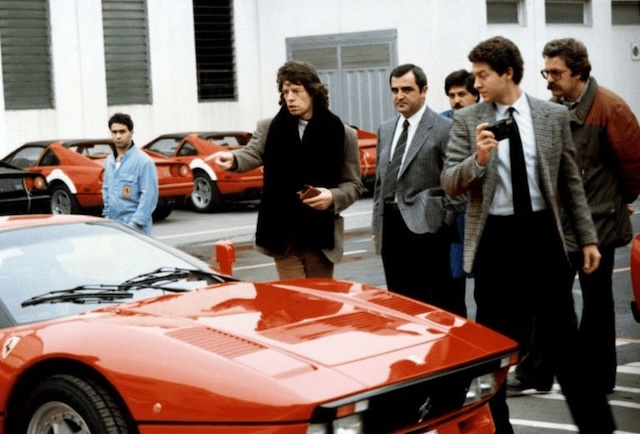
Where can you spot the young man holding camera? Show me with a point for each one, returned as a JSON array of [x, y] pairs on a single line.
[[514, 241]]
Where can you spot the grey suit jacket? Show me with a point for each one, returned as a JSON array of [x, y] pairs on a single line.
[[422, 202], [558, 173], [344, 194]]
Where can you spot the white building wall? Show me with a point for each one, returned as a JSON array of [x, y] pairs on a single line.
[[435, 34]]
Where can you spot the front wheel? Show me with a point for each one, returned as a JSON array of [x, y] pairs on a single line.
[[161, 212], [205, 196], [63, 201], [65, 404]]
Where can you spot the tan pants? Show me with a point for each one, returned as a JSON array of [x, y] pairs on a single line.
[[304, 263]]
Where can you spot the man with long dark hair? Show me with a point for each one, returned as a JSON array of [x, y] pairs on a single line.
[[311, 173]]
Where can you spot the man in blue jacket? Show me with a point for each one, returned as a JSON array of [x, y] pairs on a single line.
[[130, 186]]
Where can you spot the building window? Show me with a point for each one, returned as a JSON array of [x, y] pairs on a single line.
[[26, 54], [625, 12], [505, 12], [567, 12], [215, 51], [126, 51]]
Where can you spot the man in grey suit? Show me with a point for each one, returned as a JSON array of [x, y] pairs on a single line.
[[513, 238], [412, 216]]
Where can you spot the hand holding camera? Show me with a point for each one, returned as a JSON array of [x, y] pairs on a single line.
[[501, 129]]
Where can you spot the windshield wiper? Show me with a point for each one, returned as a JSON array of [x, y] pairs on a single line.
[[168, 275], [105, 293], [80, 294]]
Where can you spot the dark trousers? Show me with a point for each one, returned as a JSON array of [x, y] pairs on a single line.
[[596, 332], [415, 265], [520, 274]]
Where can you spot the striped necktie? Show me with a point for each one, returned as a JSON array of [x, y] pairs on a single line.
[[391, 178]]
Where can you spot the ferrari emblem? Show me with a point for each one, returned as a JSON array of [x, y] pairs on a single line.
[[126, 191], [424, 409], [8, 346]]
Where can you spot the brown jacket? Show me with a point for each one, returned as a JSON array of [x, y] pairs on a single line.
[[606, 135]]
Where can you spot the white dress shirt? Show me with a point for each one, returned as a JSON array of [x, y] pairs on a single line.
[[502, 203]]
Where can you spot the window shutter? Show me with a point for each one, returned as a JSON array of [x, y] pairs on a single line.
[[215, 51], [126, 48], [26, 54]]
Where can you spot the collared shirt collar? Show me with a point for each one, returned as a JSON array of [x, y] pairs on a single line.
[[572, 104], [521, 105], [415, 119]]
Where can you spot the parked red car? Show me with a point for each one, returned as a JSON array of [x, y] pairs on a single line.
[[104, 329], [74, 170], [635, 277], [367, 142], [212, 185]]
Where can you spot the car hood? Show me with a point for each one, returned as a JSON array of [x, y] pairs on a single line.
[[293, 341]]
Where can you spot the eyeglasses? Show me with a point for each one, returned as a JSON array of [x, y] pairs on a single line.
[[554, 73]]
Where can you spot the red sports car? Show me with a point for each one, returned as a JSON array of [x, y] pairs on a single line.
[[367, 142], [212, 185], [106, 330], [74, 170], [635, 277]]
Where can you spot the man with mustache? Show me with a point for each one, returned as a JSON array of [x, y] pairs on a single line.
[[607, 139], [458, 86]]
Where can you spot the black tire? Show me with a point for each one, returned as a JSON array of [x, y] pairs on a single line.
[[205, 196], [62, 201], [68, 404], [161, 212]]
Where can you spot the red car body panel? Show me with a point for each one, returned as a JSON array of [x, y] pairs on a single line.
[[635, 277], [192, 149], [367, 143], [242, 357]]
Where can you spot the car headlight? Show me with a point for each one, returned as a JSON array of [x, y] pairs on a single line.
[[481, 387], [348, 420], [346, 425]]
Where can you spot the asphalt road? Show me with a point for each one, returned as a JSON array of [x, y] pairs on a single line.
[[531, 413]]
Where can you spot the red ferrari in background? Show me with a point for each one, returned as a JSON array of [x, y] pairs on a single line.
[[212, 185], [105, 329], [74, 170], [367, 142]]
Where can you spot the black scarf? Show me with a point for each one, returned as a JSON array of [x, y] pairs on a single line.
[[289, 163]]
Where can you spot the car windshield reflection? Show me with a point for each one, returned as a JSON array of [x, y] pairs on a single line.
[[51, 260]]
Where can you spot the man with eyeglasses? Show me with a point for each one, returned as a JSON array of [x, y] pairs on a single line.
[[607, 139]]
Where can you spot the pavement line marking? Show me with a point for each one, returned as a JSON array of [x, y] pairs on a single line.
[[540, 424], [627, 389], [214, 231], [556, 426], [626, 369], [627, 404]]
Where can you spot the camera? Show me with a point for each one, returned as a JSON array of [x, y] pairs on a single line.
[[501, 129]]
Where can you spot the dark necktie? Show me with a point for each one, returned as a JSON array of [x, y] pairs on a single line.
[[391, 178], [519, 183]]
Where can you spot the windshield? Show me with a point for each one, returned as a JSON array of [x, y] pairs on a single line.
[[35, 261]]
